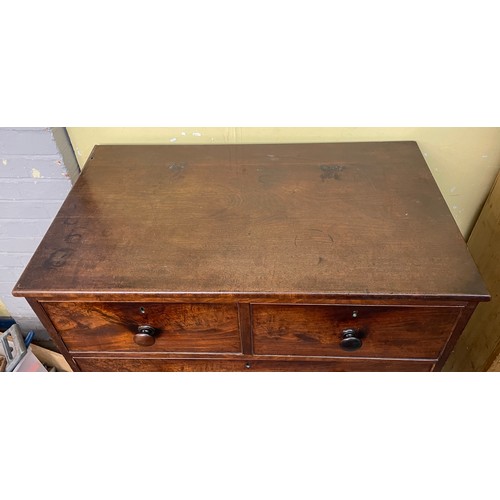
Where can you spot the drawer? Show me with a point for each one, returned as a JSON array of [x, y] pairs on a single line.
[[103, 364], [385, 331], [112, 326]]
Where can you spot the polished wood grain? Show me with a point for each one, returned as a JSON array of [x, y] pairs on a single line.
[[397, 332], [253, 258], [47, 323], [359, 219], [460, 325], [103, 364], [245, 328], [179, 327]]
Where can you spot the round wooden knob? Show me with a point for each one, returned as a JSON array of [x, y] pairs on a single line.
[[350, 339], [145, 336]]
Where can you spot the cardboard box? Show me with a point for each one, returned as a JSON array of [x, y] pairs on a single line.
[[51, 358]]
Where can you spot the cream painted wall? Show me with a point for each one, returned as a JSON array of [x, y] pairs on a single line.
[[3, 309], [464, 161]]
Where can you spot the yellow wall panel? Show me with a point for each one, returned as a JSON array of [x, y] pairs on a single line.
[[3, 309], [479, 343], [464, 161]]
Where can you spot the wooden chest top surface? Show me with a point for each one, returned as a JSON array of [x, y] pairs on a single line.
[[304, 220]]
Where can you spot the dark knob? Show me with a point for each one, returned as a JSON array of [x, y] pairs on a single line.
[[145, 336], [350, 339]]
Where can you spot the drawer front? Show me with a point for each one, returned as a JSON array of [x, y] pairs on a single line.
[[102, 364], [388, 332], [112, 326]]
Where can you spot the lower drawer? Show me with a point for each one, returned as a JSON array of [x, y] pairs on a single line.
[[102, 364], [113, 326], [384, 331]]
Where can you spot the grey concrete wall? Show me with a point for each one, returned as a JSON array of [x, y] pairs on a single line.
[[37, 167]]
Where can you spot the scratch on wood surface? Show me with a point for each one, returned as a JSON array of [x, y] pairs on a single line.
[[323, 232]]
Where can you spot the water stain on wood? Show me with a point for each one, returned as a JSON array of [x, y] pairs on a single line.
[[176, 170], [271, 178], [73, 238], [59, 258], [176, 167], [331, 172]]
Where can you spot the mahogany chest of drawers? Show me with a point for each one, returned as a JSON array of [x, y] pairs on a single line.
[[315, 257]]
